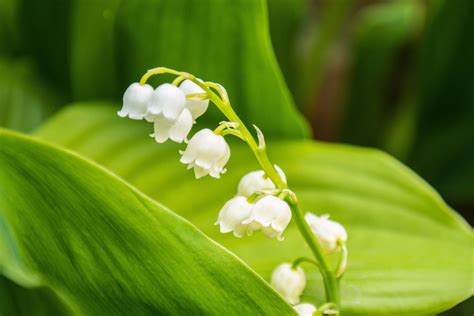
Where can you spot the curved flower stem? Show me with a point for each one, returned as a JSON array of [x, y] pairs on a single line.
[[331, 283]]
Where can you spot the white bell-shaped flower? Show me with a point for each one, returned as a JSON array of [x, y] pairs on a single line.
[[256, 181], [196, 107], [207, 153], [135, 101], [271, 215], [168, 101], [305, 309], [177, 130], [289, 282], [232, 215], [328, 232]]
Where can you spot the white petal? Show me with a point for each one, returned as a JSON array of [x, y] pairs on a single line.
[[162, 129], [253, 182], [135, 100], [200, 172], [305, 309], [180, 130], [289, 282], [232, 214], [327, 232], [167, 99], [271, 209], [197, 108]]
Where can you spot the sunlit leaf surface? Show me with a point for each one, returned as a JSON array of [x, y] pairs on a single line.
[[104, 248], [410, 254]]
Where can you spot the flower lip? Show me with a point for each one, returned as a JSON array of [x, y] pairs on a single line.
[[167, 100], [305, 309], [329, 233], [177, 131], [289, 282], [135, 100], [207, 153], [196, 107], [270, 214], [256, 181], [232, 215]]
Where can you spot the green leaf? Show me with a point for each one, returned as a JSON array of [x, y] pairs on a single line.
[[105, 248], [25, 102], [100, 47], [19, 301], [410, 254]]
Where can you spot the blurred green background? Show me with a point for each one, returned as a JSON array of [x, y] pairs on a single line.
[[397, 75]]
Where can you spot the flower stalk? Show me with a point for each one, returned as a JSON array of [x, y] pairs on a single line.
[[272, 224]]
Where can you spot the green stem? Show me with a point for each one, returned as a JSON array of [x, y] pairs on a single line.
[[330, 281]]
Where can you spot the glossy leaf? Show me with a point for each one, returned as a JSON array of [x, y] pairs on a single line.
[[409, 252], [100, 47], [105, 248]]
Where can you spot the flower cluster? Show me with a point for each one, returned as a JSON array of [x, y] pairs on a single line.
[[243, 215], [289, 279], [173, 111], [260, 203]]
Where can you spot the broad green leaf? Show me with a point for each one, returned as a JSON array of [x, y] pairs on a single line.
[[25, 101], [410, 254], [446, 102], [96, 48], [382, 34], [105, 248], [19, 301]]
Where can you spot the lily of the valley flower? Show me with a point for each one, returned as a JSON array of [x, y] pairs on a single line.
[[271, 215], [305, 309], [207, 153], [177, 130], [289, 282], [196, 107], [168, 101], [256, 181], [329, 233], [135, 101], [232, 215]]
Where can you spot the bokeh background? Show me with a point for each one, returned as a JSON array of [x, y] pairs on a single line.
[[396, 75]]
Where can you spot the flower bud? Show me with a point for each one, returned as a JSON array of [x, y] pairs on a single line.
[[196, 107], [176, 130], [232, 215], [305, 309], [256, 181], [329, 233], [167, 100], [207, 153], [289, 282], [271, 215], [135, 100]]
